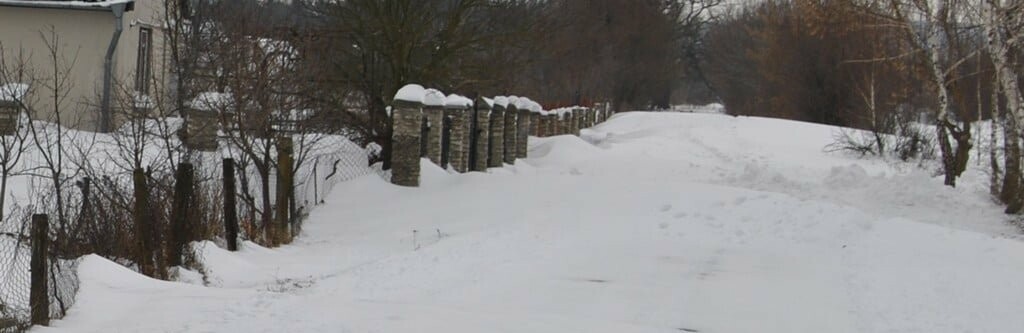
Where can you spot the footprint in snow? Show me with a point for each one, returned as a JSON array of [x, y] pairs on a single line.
[[666, 207]]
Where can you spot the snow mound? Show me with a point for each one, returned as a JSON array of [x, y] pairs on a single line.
[[431, 174], [96, 270], [846, 176], [561, 149]]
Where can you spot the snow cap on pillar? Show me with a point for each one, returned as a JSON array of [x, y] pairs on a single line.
[[500, 102], [486, 103], [523, 103], [433, 98], [512, 101], [410, 94], [454, 101]]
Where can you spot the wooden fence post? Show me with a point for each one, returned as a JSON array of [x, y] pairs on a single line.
[[284, 189], [39, 296], [230, 207], [182, 205], [143, 223]]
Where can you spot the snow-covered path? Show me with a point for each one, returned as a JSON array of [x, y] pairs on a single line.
[[652, 222]]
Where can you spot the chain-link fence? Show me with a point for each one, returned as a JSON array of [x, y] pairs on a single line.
[[156, 220], [17, 259]]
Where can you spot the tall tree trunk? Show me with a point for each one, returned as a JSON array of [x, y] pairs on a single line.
[[1010, 193], [995, 179], [3, 193], [266, 213]]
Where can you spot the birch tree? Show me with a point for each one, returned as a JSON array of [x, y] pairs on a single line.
[[928, 24]]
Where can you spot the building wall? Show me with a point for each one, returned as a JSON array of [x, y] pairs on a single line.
[[83, 36]]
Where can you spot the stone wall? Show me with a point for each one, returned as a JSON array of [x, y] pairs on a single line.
[[465, 136]]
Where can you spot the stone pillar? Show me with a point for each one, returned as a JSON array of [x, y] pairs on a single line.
[[407, 117], [201, 129], [497, 150], [584, 123], [435, 117], [546, 124], [8, 117], [540, 123], [535, 123], [563, 122], [511, 112], [483, 125], [590, 118], [522, 133], [574, 122], [551, 124], [459, 145]]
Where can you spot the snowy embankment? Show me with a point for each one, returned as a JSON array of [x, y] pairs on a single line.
[[652, 222]]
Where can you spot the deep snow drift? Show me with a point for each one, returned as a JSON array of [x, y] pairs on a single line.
[[652, 222]]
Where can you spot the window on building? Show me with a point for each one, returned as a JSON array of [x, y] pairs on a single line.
[[143, 70]]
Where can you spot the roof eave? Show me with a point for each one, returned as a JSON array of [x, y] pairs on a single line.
[[96, 7]]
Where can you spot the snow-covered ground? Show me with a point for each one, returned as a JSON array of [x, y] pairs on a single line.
[[651, 222]]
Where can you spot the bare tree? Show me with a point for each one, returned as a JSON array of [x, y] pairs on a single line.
[[15, 81]]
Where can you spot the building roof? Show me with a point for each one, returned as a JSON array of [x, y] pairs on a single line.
[[97, 5]]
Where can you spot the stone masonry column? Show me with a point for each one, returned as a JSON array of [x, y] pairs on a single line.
[[574, 121], [548, 122], [201, 129], [522, 133], [459, 144], [433, 110], [542, 124], [497, 139], [511, 112], [407, 118], [483, 124], [535, 123], [560, 123], [8, 117]]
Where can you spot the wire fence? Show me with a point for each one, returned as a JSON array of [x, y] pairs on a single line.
[[156, 220]]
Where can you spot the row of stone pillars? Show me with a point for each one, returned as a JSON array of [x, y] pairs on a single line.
[[474, 136], [567, 120]]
